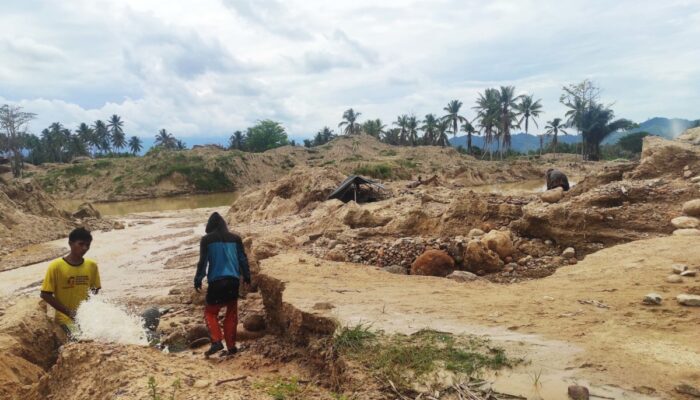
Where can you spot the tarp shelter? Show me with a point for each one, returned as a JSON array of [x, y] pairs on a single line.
[[351, 189]]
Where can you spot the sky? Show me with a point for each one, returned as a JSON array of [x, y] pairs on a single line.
[[206, 68]]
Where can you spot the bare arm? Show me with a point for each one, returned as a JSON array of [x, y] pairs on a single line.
[[53, 302]]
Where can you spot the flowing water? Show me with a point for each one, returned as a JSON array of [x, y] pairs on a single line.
[[515, 188], [101, 320], [157, 204]]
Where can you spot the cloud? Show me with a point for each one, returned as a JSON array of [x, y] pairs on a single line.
[[214, 66]]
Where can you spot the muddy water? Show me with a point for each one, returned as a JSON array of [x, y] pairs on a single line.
[[132, 260], [157, 204], [514, 188]]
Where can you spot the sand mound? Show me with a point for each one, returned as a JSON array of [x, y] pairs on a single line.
[[302, 190], [661, 157]]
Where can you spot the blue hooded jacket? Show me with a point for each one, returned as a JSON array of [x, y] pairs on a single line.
[[223, 252]]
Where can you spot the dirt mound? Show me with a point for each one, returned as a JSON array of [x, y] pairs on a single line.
[[691, 136], [661, 157], [622, 203], [300, 191], [28, 347]]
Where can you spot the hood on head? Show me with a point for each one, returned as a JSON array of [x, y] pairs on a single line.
[[216, 223]]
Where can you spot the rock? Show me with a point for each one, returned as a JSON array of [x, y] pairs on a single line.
[[86, 210], [689, 273], [577, 392], [679, 268], [337, 254], [118, 225], [462, 276], [200, 342], [323, 306], [692, 208], [176, 341], [569, 252], [433, 263], [552, 196], [686, 232], [500, 242], [674, 279], [201, 384], [175, 292], [652, 299], [525, 260], [687, 174], [548, 242], [684, 388], [474, 233], [254, 323], [396, 269], [695, 179], [196, 332], [685, 222], [691, 300], [478, 257]]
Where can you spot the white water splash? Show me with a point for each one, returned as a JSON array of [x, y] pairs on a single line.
[[102, 321]]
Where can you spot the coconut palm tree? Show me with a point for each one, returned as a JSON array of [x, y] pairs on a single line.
[[85, 133], [165, 140], [102, 138], [508, 119], [402, 123], [529, 109], [392, 136], [469, 129], [443, 127], [553, 128], [488, 114], [135, 145], [412, 130], [352, 127], [117, 132], [373, 127], [452, 110], [430, 129]]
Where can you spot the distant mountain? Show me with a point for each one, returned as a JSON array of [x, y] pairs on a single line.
[[522, 142]]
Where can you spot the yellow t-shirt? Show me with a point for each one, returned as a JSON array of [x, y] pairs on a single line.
[[70, 284]]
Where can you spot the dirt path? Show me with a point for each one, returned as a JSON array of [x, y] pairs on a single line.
[[549, 321]]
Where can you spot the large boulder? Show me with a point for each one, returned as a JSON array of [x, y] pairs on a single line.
[[479, 258], [692, 208], [552, 196], [500, 242], [685, 223], [433, 263], [86, 210]]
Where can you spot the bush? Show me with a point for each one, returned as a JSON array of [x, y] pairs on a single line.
[[376, 171]]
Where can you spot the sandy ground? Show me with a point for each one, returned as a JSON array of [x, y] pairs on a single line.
[[619, 344]]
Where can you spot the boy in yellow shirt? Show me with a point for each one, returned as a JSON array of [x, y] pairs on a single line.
[[70, 279]]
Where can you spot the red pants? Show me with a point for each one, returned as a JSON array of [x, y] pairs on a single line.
[[211, 314]]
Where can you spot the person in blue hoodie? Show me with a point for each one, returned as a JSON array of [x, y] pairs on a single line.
[[222, 251]]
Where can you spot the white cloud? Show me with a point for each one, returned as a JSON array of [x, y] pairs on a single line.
[[213, 66]]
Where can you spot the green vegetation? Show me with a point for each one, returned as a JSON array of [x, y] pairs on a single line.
[[282, 389], [153, 393], [407, 163], [387, 153], [203, 179], [406, 359], [265, 135]]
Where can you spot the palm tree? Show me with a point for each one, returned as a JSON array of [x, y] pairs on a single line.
[[102, 138], [236, 141], [116, 131], [488, 114], [529, 109], [392, 136], [469, 129], [402, 123], [326, 134], [165, 140], [553, 128], [443, 127], [453, 115], [373, 127], [180, 145], [507, 101], [412, 130], [430, 129], [597, 124], [350, 117], [85, 133], [135, 145]]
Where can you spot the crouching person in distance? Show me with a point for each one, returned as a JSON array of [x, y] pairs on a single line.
[[224, 254], [555, 179]]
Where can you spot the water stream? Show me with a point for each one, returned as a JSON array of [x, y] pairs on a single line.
[[118, 208]]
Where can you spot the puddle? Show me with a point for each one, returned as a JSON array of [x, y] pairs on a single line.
[[515, 188], [156, 204]]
